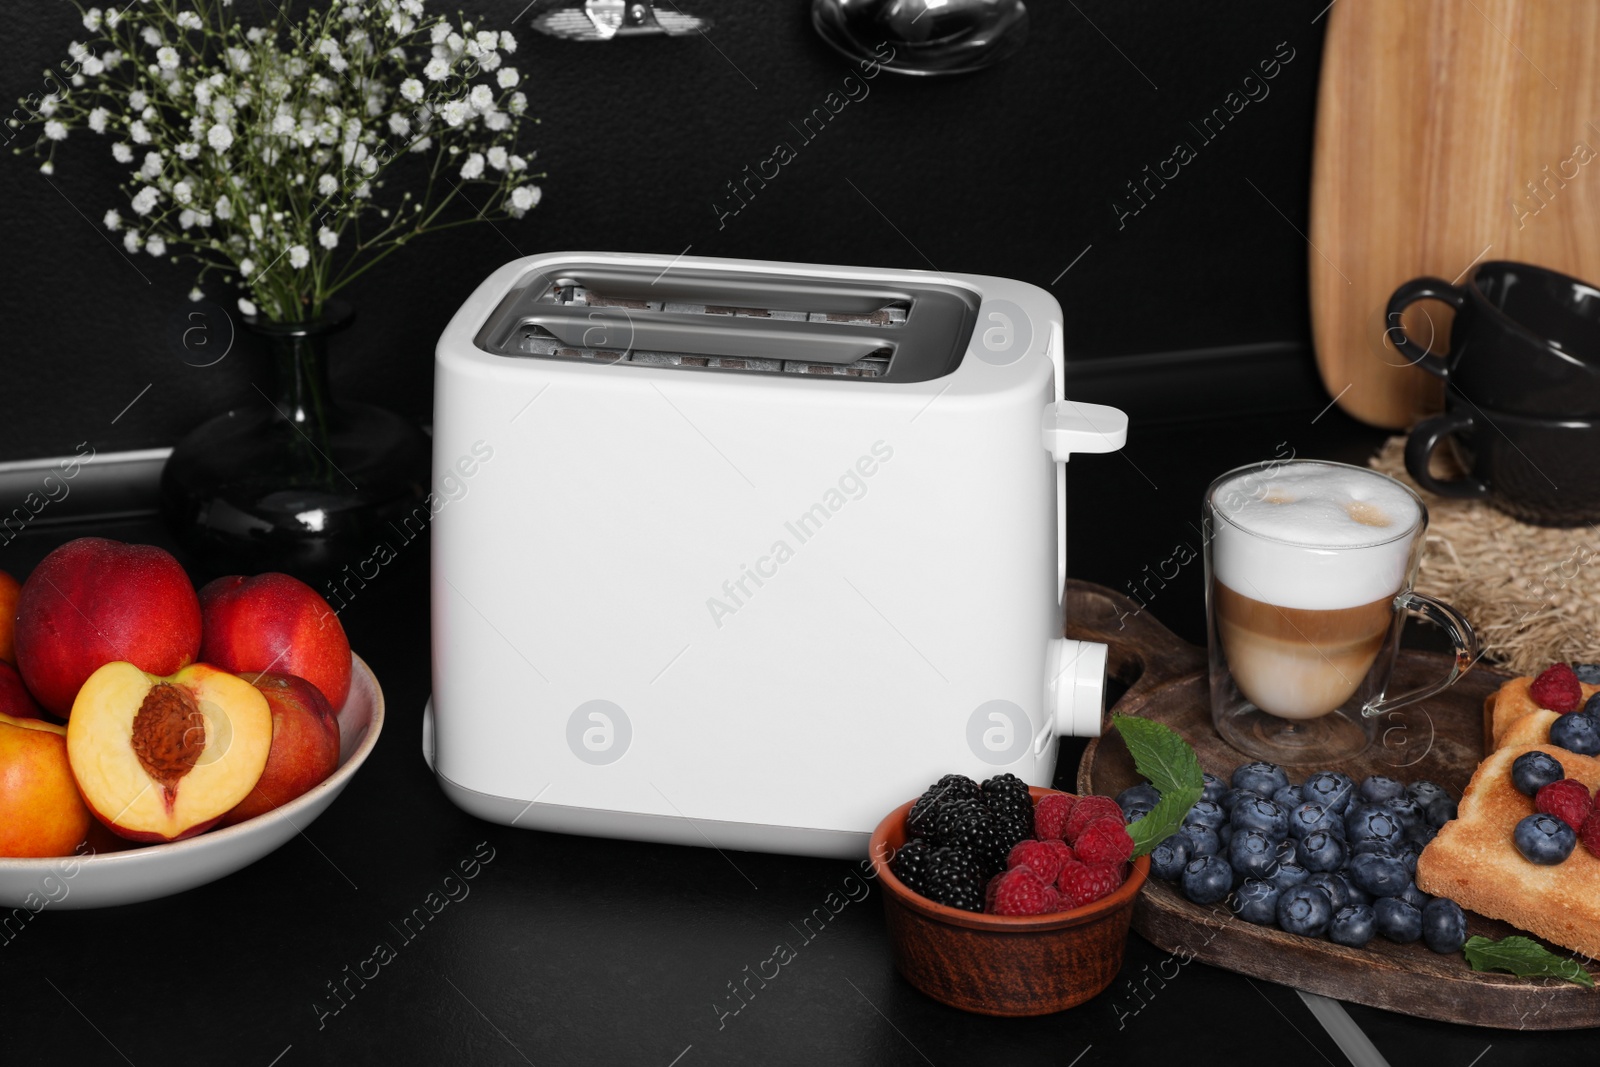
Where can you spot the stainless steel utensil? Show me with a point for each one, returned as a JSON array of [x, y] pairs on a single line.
[[923, 36]]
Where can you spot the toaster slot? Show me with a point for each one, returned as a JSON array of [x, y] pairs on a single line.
[[723, 319]]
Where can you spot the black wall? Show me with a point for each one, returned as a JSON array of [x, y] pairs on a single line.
[[1013, 171]]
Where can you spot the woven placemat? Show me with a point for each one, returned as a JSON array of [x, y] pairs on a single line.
[[1531, 592]]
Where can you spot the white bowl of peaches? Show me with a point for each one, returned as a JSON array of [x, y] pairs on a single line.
[[153, 738]]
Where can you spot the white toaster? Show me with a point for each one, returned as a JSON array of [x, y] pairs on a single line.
[[745, 554]]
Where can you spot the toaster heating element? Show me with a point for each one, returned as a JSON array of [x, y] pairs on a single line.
[[760, 548]]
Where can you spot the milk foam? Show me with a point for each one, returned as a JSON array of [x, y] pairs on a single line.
[[1313, 535]]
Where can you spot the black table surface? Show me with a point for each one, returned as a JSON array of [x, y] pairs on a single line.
[[574, 950]]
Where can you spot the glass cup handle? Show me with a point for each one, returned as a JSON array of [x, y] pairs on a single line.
[[1461, 635]]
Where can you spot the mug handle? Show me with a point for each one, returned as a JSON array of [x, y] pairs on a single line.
[[1461, 635], [1420, 289], [1426, 436]]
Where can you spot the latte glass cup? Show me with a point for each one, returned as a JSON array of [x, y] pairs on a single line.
[[1309, 567]]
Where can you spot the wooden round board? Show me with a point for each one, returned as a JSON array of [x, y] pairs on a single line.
[[1439, 739]]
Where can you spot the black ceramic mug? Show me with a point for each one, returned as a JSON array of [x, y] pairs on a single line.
[[1544, 471], [1525, 339]]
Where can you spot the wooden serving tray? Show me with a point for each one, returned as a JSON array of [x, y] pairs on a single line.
[[1440, 739]]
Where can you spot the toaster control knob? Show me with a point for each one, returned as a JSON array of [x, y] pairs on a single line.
[[1073, 427], [1076, 685]]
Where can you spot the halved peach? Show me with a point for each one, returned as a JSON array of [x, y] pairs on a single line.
[[159, 759], [41, 813]]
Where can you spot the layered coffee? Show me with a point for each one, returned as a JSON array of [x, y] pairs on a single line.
[[1306, 561]]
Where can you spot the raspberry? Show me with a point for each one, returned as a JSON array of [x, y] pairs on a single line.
[[1568, 800], [1104, 841], [1086, 811], [1557, 689], [1050, 815], [1044, 858], [1085, 883], [1021, 892], [1590, 833]]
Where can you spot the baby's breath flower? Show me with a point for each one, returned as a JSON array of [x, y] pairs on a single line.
[[517, 104], [55, 130], [150, 36], [473, 167], [497, 120], [219, 137], [138, 101], [508, 43], [411, 89], [436, 69], [97, 119], [327, 238], [93, 66], [482, 99], [187, 150], [399, 125], [139, 132], [196, 294], [188, 20], [247, 308], [121, 153], [298, 256], [497, 157], [507, 78], [131, 240], [327, 185], [223, 208], [151, 168], [144, 201], [454, 112], [421, 144], [186, 217], [155, 245], [183, 192], [247, 266], [167, 58], [91, 20], [113, 220], [524, 197]]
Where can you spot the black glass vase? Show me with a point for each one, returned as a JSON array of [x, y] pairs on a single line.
[[292, 480]]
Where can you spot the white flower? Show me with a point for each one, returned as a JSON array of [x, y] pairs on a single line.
[[155, 246], [507, 77], [489, 61], [167, 58], [422, 144], [91, 19], [113, 58], [256, 35], [150, 36], [112, 19], [411, 89], [121, 153], [239, 59], [255, 226], [196, 295], [487, 39], [93, 66], [508, 43], [152, 165], [369, 166], [497, 120], [97, 119], [524, 197], [247, 308], [145, 200], [518, 104], [283, 125], [223, 208], [113, 220], [137, 100], [399, 125], [47, 167], [454, 112], [327, 238], [517, 163], [298, 256], [327, 185], [183, 192], [48, 105], [186, 217], [481, 98], [473, 167], [188, 20], [219, 137], [203, 219], [456, 43], [139, 132], [187, 150], [401, 23], [247, 266], [441, 30], [362, 191], [498, 157], [436, 69], [149, 113], [55, 130], [131, 240]]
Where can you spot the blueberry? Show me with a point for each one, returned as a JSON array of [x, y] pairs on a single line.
[[1335, 886], [1207, 879], [1289, 875], [1257, 902], [1397, 920], [1168, 859], [1409, 854], [1263, 778], [1289, 851], [1206, 813], [1252, 854], [1304, 910], [1378, 788], [1232, 797], [1354, 894], [1424, 791], [1407, 810], [1203, 841], [1310, 816], [1133, 814], [1532, 771], [1379, 875], [1414, 896], [1592, 705], [1588, 673], [1321, 851], [1439, 811], [1352, 925], [1144, 795], [1577, 732], [1213, 788], [1372, 824], [1288, 797], [1331, 789], [1544, 839], [1444, 927], [1261, 815], [1420, 835], [1225, 836]]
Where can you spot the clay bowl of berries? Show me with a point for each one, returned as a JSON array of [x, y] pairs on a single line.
[[1013, 964], [153, 737]]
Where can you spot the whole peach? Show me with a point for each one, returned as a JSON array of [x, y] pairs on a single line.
[[10, 588], [94, 601], [41, 811], [275, 622], [305, 744], [15, 700]]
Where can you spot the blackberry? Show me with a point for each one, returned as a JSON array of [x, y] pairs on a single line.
[[969, 825], [954, 878], [1010, 827], [922, 820], [1008, 792], [910, 865]]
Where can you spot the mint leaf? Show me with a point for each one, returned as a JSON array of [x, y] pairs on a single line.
[[1524, 958], [1167, 760]]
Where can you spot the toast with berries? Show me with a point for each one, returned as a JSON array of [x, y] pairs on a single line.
[[1474, 861], [1555, 691]]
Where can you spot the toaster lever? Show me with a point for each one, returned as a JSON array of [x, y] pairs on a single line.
[[1073, 427]]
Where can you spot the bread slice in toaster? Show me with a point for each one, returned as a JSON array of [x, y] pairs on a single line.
[[1474, 862]]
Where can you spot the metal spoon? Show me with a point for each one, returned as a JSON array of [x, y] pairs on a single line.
[[923, 36]]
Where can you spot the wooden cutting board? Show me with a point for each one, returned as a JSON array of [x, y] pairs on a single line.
[[1436, 123], [1440, 739]]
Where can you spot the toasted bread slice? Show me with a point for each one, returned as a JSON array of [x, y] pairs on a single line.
[[1474, 862], [1508, 704]]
